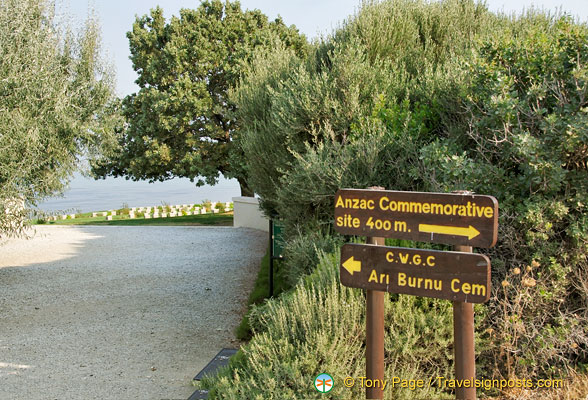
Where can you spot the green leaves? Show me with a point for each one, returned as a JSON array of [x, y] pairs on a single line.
[[181, 122], [441, 96], [56, 98]]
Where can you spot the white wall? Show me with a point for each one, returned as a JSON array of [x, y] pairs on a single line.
[[248, 215]]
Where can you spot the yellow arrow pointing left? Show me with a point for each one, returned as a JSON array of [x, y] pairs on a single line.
[[351, 265]]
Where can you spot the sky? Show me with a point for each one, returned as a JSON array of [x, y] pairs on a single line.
[[311, 17]]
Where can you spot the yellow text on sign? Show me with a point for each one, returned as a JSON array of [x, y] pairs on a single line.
[[467, 288], [405, 258], [419, 283], [348, 221], [470, 209]]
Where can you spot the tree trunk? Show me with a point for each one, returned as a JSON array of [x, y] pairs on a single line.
[[245, 189]]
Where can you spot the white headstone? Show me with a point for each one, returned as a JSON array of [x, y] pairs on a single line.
[[147, 215], [109, 218], [94, 215], [203, 211]]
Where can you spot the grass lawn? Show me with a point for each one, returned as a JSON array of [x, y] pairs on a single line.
[[224, 219]]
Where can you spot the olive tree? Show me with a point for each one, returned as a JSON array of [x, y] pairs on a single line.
[[55, 105]]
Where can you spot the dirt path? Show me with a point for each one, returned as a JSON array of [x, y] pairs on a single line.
[[120, 312]]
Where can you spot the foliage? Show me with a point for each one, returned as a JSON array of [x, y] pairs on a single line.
[[181, 121], [301, 254], [524, 141], [319, 327], [260, 291], [527, 143], [293, 106], [56, 104], [411, 95]]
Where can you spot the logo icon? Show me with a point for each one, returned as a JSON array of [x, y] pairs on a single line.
[[324, 383]]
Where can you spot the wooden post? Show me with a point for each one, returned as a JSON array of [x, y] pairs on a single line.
[[463, 338], [473, 223], [374, 349]]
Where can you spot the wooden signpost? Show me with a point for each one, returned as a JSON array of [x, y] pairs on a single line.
[[455, 276], [462, 219]]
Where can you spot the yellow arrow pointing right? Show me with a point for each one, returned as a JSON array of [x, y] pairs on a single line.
[[470, 231], [351, 265]]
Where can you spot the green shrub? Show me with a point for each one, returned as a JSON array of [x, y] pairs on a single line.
[[527, 145], [320, 327], [124, 210], [441, 96], [260, 291], [302, 254], [206, 203], [290, 106]]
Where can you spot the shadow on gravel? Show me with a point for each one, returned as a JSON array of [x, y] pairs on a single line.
[[131, 313]]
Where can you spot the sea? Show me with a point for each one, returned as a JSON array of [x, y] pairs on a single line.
[[87, 194]]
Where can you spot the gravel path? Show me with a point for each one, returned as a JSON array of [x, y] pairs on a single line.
[[120, 312]]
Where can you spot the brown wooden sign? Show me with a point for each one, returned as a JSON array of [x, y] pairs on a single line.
[[460, 219], [447, 275]]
